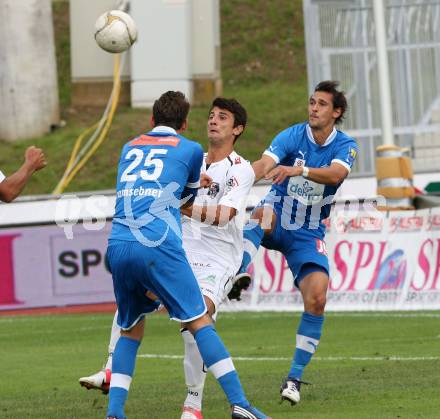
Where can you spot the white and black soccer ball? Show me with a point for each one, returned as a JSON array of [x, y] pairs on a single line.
[[115, 31]]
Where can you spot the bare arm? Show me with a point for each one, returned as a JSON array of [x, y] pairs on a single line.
[[218, 215], [332, 175], [263, 166], [12, 186]]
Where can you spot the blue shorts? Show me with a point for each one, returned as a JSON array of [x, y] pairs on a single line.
[[162, 270], [300, 248]]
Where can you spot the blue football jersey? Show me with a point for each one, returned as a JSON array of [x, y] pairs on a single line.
[[156, 170], [302, 203]]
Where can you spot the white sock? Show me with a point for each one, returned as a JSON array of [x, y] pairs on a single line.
[[114, 336], [195, 373]]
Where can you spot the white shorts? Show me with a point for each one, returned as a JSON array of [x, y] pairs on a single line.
[[214, 278]]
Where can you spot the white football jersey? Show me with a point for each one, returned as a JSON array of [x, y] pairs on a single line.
[[2, 176], [232, 180]]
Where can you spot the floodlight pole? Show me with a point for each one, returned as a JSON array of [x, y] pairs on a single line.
[[383, 72]]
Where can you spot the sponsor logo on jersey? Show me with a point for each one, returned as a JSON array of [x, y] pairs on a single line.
[[305, 191], [150, 140], [213, 189], [237, 160]]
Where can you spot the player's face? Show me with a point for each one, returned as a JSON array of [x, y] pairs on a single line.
[[221, 126], [322, 114]]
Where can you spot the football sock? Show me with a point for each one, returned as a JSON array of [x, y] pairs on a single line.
[[114, 336], [195, 373], [252, 236], [307, 340], [219, 362], [124, 359], [109, 363]]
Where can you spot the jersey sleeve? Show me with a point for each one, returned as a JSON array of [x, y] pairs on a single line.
[[194, 168], [346, 154], [239, 181], [278, 149], [2, 176]]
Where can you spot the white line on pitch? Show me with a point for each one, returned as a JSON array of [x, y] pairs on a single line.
[[315, 358], [346, 314]]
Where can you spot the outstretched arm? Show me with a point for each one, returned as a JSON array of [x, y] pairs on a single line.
[[263, 166], [12, 186], [332, 175], [218, 215]]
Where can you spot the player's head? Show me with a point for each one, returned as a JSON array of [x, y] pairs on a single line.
[[227, 119], [171, 110], [327, 105]]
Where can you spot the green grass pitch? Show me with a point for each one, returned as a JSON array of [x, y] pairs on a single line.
[[368, 365]]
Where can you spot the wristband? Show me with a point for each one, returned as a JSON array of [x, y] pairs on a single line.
[[305, 172]]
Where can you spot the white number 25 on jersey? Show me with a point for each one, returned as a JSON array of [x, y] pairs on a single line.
[[149, 162]]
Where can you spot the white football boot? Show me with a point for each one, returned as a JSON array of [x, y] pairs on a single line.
[[98, 381]]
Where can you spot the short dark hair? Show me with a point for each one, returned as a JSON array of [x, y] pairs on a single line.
[[339, 99], [171, 110], [233, 106]]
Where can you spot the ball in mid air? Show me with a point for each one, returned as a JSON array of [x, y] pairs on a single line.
[[115, 31]]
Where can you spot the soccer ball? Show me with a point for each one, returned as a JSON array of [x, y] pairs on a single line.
[[115, 31]]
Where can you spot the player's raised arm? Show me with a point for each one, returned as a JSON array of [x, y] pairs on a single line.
[[12, 185], [279, 148]]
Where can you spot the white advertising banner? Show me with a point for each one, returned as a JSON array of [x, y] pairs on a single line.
[[41, 267], [378, 261]]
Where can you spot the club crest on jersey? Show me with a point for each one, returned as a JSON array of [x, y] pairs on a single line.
[[213, 189], [231, 183], [237, 160]]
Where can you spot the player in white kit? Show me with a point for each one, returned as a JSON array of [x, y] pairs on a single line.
[[212, 239]]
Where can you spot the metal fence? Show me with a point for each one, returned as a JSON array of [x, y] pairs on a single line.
[[340, 45]]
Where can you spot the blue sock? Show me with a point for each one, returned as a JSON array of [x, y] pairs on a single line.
[[124, 358], [252, 236], [217, 359], [307, 340]]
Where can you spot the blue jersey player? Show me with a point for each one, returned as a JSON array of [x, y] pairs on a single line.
[[145, 253], [307, 163]]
